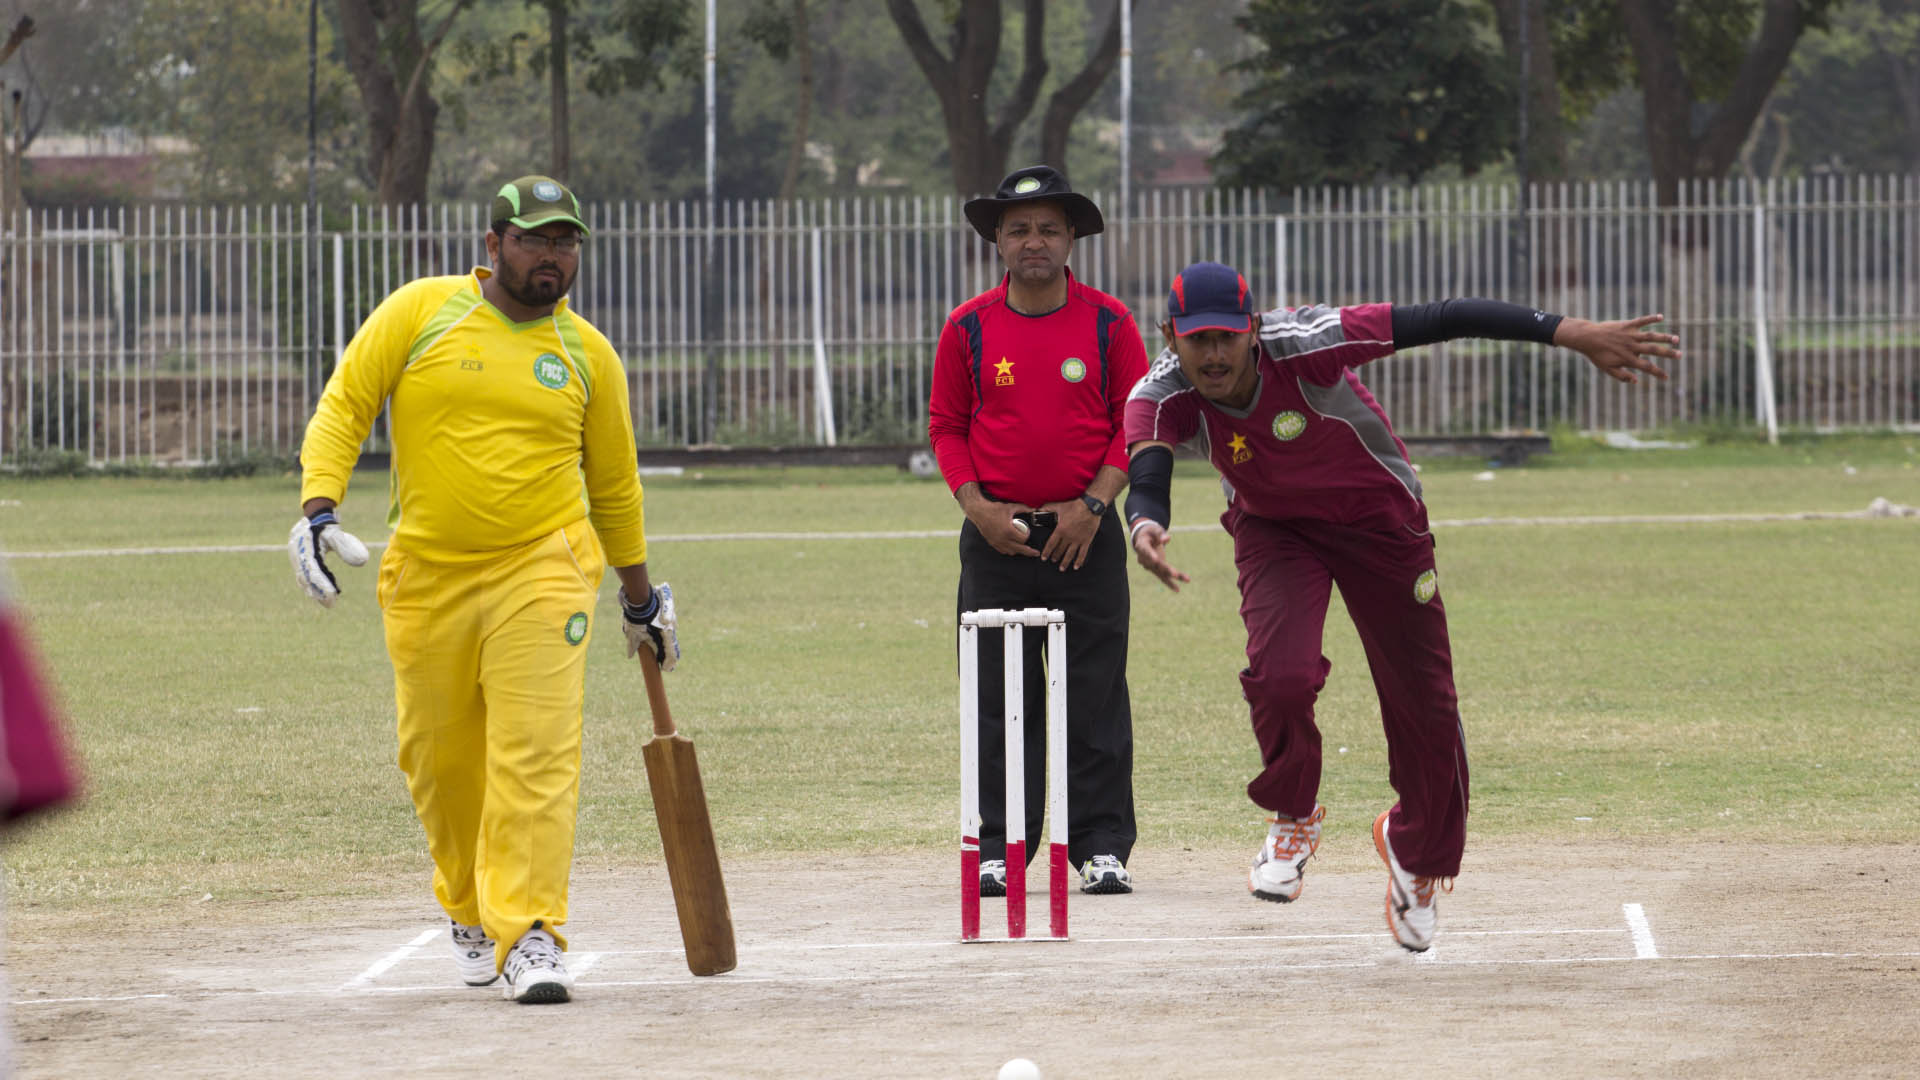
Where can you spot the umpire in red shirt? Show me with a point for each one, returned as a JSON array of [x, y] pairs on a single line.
[[1027, 415]]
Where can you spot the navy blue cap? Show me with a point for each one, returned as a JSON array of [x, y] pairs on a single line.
[[1210, 296]]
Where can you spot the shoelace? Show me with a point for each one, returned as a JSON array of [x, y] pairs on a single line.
[[537, 951], [1298, 834], [1104, 862], [470, 935]]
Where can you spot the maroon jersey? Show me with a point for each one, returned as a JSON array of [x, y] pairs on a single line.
[[1314, 443], [1030, 406]]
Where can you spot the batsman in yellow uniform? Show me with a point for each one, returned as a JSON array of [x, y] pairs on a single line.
[[514, 485]]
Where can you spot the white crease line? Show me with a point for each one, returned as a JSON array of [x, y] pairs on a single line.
[[584, 964], [381, 965], [1643, 947], [948, 534], [1222, 938], [737, 978]]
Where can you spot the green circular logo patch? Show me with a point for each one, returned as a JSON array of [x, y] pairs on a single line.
[[1425, 586], [1073, 370], [1289, 425], [550, 371], [577, 628], [1026, 184]]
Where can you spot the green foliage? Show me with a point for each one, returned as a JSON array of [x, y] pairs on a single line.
[[1324, 108]]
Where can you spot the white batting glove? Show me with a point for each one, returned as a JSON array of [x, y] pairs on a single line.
[[652, 626], [311, 539]]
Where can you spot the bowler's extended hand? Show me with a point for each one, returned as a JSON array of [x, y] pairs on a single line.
[[311, 539], [1619, 348], [652, 626], [1150, 548]]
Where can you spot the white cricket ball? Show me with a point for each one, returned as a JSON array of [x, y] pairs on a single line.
[[1020, 527], [1019, 1069]]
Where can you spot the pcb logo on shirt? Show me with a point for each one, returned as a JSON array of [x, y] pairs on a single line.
[[576, 629], [1074, 369], [1238, 445], [1289, 426], [550, 371], [1426, 586], [1003, 372]]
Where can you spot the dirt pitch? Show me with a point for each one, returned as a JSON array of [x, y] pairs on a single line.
[[1601, 960]]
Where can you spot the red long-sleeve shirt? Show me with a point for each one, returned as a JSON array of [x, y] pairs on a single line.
[[1030, 406]]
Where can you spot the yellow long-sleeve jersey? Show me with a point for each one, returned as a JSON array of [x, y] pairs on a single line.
[[502, 431]]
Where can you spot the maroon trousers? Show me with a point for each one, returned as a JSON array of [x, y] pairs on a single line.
[[1386, 578]]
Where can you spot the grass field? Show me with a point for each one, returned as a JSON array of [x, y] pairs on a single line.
[[1698, 680]]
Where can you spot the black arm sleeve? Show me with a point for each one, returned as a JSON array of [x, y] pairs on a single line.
[[1150, 486], [1424, 324]]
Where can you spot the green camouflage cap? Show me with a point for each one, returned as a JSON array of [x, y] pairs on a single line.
[[533, 201]]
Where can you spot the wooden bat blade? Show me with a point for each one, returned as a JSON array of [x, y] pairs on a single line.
[[693, 862]]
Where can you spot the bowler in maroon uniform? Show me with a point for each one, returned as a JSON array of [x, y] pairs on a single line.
[[1320, 492], [1027, 413]]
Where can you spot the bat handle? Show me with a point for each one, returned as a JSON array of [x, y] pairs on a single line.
[[656, 695]]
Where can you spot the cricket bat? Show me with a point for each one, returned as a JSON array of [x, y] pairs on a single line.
[[686, 835]]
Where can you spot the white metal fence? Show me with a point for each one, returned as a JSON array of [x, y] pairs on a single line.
[[194, 334]]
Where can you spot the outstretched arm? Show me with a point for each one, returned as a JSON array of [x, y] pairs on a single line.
[[1618, 348]]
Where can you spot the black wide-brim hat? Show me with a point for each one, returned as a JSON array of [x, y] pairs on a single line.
[[1034, 183]]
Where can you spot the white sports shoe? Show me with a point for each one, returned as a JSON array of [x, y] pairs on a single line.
[[1412, 914], [473, 954], [993, 877], [1280, 870], [1104, 874], [535, 975]]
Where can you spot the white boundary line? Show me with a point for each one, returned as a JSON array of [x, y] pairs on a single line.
[[948, 534], [380, 966], [1643, 948]]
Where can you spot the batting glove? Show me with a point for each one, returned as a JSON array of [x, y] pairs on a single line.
[[311, 539], [651, 626]]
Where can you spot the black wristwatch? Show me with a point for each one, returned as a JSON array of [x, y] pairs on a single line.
[[1094, 506]]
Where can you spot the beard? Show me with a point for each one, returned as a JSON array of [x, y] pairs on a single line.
[[532, 289]]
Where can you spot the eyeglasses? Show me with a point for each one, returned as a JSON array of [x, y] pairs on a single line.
[[540, 243]]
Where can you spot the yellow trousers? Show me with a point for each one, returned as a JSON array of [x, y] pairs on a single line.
[[489, 666]]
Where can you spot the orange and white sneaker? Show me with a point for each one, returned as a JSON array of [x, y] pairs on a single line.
[[1412, 914], [1280, 870]]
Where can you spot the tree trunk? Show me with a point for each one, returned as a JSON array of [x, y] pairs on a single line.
[[977, 149], [1546, 136], [557, 16], [1677, 153], [1064, 106], [803, 102], [391, 63]]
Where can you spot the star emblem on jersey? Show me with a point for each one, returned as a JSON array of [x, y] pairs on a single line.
[[576, 629], [1425, 586], [1073, 370], [1003, 372], [1238, 444], [1289, 425], [550, 371]]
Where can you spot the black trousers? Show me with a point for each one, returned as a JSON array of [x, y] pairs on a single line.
[[1099, 717]]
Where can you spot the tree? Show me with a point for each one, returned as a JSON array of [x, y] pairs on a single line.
[[1545, 135], [1704, 67], [392, 63], [1323, 108], [977, 147]]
